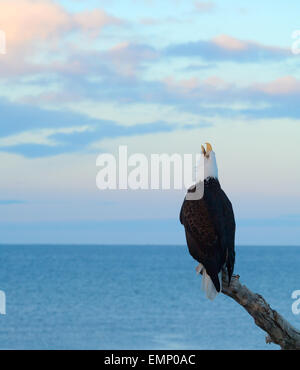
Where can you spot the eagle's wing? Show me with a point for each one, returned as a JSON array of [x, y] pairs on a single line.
[[230, 233], [220, 208], [202, 238]]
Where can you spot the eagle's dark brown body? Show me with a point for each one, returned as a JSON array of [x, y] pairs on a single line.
[[210, 230]]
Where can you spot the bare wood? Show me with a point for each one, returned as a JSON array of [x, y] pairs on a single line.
[[279, 330]]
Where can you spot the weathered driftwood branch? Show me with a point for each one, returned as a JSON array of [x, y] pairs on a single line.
[[279, 330]]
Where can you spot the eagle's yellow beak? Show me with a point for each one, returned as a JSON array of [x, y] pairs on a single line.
[[207, 151], [208, 148]]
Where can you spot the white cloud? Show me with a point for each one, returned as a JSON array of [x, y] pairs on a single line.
[[204, 6], [40, 137], [134, 114]]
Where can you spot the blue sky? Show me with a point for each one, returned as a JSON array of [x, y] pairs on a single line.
[[80, 78]]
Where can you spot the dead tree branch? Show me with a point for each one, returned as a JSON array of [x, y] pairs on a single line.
[[279, 330]]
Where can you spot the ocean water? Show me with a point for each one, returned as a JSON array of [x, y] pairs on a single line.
[[135, 297]]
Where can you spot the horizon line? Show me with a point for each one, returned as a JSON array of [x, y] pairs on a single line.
[[133, 245]]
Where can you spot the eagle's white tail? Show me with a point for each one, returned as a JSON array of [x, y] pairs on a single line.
[[207, 285]]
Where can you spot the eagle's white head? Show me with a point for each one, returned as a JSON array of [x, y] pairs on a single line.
[[210, 163]]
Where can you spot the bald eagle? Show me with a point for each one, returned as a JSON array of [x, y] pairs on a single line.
[[208, 219]]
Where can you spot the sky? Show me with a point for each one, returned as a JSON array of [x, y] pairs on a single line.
[[79, 78]]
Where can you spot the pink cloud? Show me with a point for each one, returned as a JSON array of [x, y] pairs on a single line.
[[183, 85], [229, 43], [217, 83], [281, 86], [127, 58], [233, 44], [212, 83], [94, 20], [29, 21]]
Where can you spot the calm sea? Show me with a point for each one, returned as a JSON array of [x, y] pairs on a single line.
[[134, 297]]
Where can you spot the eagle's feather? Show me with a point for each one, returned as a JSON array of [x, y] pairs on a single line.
[[210, 230]]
